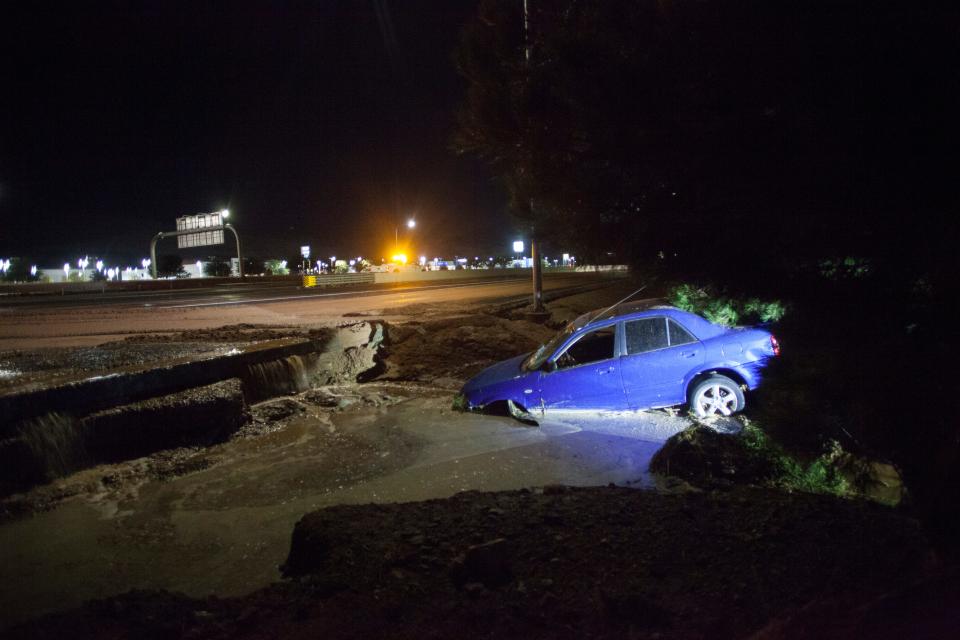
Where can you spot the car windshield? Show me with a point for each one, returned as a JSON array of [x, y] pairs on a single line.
[[536, 359]]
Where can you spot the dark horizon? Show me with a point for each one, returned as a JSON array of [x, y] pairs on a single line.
[[324, 124]]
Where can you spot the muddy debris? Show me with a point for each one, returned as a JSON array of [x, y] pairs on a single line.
[[321, 398], [47, 364], [109, 481], [56, 444], [705, 457], [625, 563], [276, 410], [354, 353], [449, 351]]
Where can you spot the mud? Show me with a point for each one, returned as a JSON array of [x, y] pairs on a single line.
[[217, 519], [562, 562], [22, 366], [449, 351], [57, 444]]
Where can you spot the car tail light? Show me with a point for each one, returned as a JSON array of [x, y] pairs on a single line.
[[775, 345]]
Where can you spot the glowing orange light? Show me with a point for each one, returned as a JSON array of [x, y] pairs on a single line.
[[400, 258]]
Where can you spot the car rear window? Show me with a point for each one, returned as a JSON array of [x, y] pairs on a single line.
[[679, 335], [647, 334]]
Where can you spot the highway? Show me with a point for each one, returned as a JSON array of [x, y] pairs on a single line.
[[93, 318]]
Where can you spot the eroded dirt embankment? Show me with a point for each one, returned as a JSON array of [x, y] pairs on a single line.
[[555, 563]]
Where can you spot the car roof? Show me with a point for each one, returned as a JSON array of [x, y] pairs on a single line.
[[700, 327]]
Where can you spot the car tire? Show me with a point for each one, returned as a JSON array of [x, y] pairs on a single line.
[[716, 396]]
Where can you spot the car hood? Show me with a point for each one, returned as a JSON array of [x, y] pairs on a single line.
[[500, 372]]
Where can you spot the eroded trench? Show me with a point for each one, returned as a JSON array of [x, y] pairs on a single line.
[[50, 430]]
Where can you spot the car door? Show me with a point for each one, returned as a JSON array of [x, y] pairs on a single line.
[[658, 354], [585, 374]]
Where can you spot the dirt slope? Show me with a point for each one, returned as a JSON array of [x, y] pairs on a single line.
[[556, 563]]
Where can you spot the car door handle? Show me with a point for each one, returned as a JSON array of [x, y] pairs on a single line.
[[688, 354], [603, 371]]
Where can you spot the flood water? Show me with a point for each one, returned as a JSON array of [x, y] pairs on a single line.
[[225, 529]]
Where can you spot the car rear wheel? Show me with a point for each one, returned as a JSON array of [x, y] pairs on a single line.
[[716, 396]]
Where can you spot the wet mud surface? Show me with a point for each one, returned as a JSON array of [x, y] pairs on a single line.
[[217, 520], [425, 522], [449, 351], [21, 366], [562, 562]]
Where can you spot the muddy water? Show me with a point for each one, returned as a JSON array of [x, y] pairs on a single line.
[[225, 529]]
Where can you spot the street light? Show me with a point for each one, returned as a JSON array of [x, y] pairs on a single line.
[[411, 223], [225, 214]]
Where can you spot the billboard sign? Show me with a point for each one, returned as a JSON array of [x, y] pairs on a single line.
[[201, 222], [305, 252]]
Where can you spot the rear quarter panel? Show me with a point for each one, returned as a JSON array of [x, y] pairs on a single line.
[[744, 351]]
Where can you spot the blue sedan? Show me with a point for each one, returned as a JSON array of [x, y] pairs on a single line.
[[631, 357]]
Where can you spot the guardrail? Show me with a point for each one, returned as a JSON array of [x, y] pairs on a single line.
[[337, 280]]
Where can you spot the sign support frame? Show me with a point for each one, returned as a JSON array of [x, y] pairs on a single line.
[[173, 234]]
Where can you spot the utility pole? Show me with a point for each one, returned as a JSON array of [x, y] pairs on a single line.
[[534, 244], [537, 275]]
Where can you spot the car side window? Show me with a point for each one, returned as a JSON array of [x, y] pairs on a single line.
[[679, 335], [591, 347], [646, 334]]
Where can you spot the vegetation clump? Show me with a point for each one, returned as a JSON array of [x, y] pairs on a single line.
[[723, 309], [705, 457], [821, 474]]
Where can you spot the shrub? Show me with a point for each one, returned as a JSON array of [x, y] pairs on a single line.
[[724, 309], [276, 267]]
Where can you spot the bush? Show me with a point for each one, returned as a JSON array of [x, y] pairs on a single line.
[[704, 456], [276, 267], [724, 309], [818, 475]]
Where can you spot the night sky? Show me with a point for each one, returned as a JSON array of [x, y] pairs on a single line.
[[322, 123]]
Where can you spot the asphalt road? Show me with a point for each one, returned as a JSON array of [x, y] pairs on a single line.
[[250, 290], [86, 319]]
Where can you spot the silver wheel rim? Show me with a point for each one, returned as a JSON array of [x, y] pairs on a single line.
[[718, 399]]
